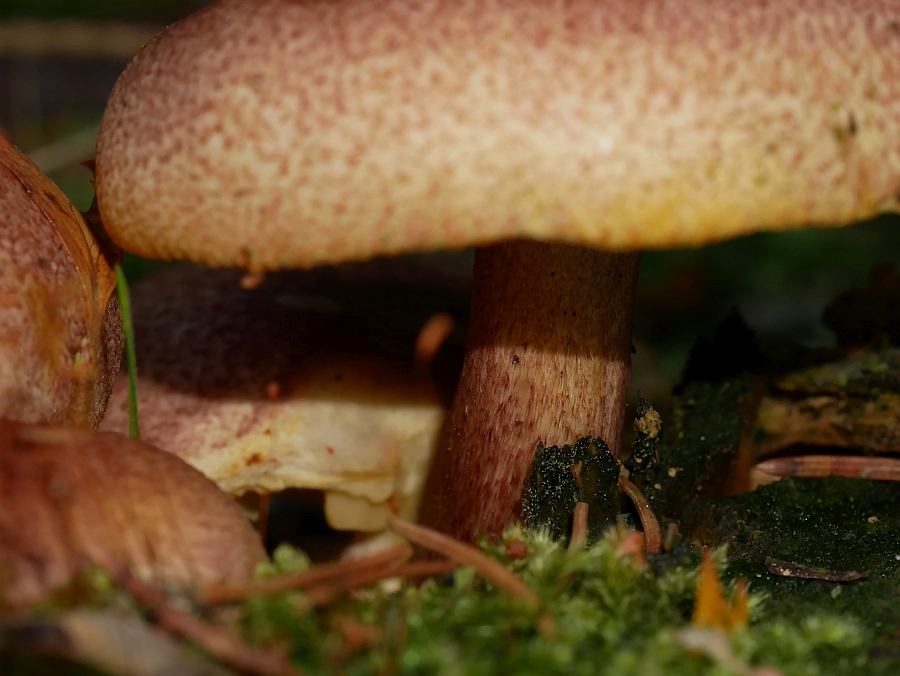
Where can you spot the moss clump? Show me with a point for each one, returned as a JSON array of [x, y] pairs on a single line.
[[836, 524], [585, 471], [698, 448], [610, 615], [601, 613], [861, 374]]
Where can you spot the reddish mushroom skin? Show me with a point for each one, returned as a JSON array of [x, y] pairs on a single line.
[[547, 361]]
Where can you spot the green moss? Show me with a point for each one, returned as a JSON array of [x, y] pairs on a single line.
[[698, 447], [610, 616], [861, 374], [561, 477], [836, 524], [601, 614]]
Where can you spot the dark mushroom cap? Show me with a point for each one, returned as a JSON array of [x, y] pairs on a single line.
[[307, 381]]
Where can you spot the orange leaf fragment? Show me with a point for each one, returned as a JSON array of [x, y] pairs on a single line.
[[711, 607]]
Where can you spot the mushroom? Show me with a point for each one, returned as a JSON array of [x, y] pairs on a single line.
[[60, 329], [307, 381], [561, 138], [71, 499]]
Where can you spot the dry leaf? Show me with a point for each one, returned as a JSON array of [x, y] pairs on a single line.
[[711, 608]]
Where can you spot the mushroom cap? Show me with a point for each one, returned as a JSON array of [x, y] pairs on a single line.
[[279, 134], [60, 330], [72, 498], [307, 381]]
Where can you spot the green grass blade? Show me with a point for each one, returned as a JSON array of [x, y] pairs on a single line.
[[130, 353]]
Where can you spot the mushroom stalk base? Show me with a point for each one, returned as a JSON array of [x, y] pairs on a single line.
[[547, 361]]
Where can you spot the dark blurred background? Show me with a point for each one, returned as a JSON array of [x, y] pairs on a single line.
[[60, 58]]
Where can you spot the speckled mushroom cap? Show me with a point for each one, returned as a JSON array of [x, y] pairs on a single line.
[[276, 133], [60, 330]]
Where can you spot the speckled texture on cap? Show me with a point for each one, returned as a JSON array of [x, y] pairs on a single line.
[[276, 133], [71, 498], [60, 329]]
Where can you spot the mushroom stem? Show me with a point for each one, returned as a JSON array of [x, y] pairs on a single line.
[[547, 361]]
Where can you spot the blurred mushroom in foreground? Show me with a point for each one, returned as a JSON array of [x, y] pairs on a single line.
[[60, 330], [71, 499], [306, 381]]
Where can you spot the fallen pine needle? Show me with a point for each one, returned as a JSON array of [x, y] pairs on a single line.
[[847, 466], [671, 534], [431, 337], [326, 593], [787, 569], [652, 535], [219, 643], [262, 520], [632, 545], [579, 527], [311, 577], [490, 569]]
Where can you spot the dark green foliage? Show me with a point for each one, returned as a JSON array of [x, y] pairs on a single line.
[[561, 477], [146, 10], [731, 352], [15, 663], [868, 317]]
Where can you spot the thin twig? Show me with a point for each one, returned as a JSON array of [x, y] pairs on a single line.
[[671, 534], [652, 535], [467, 555], [316, 575], [788, 569], [219, 643], [262, 519], [579, 527], [326, 593], [431, 337], [847, 466]]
